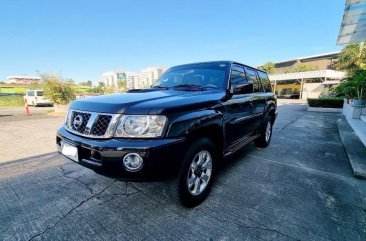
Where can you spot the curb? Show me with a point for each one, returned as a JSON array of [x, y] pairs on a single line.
[[355, 150], [325, 110]]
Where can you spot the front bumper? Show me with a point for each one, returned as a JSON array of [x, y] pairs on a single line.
[[162, 157]]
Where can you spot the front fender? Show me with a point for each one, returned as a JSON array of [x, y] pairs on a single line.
[[189, 122]]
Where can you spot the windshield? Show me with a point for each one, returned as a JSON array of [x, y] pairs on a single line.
[[211, 75], [39, 93]]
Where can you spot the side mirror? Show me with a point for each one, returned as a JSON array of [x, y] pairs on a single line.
[[245, 88]]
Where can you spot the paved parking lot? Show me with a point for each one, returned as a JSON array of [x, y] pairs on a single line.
[[24, 136], [299, 188]]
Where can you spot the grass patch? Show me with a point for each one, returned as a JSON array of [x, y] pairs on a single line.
[[12, 89], [326, 102], [11, 100]]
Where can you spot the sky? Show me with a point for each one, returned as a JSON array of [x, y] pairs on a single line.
[[81, 39]]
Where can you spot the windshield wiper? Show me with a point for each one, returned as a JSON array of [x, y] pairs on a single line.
[[160, 87], [190, 86]]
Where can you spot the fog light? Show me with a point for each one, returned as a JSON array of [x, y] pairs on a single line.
[[133, 162]]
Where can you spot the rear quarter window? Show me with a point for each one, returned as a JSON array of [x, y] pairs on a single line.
[[266, 83], [252, 77]]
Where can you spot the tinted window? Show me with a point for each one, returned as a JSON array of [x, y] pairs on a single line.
[[237, 75], [265, 81], [205, 74], [39, 93], [30, 93], [252, 77]]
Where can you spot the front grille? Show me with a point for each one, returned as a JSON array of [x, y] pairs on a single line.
[[85, 118], [91, 124], [101, 125]]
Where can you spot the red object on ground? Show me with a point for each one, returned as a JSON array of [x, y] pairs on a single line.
[[27, 112]]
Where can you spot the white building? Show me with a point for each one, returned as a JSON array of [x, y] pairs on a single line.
[[23, 79], [110, 78], [141, 80], [153, 73]]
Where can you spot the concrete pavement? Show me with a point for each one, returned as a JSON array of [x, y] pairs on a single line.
[[299, 188]]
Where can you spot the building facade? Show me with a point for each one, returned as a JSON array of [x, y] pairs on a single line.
[[23, 79], [305, 77]]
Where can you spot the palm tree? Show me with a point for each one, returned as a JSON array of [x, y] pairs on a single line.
[[352, 58]]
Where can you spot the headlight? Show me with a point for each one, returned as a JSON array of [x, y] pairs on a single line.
[[67, 121], [140, 126]]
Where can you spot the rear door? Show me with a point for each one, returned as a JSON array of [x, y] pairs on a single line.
[[39, 94], [239, 109], [30, 97], [258, 100]]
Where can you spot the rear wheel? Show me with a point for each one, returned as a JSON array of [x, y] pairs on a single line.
[[197, 173], [266, 134]]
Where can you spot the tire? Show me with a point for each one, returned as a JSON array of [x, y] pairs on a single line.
[[266, 133], [200, 160]]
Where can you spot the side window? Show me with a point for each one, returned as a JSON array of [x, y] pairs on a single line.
[[252, 77], [30, 93], [237, 75], [266, 83]]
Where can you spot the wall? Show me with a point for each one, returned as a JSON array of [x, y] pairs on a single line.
[[312, 90]]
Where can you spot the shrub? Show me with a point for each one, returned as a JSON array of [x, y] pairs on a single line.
[[58, 91], [326, 102], [11, 100]]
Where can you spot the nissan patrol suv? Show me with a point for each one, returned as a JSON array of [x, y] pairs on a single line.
[[192, 117]]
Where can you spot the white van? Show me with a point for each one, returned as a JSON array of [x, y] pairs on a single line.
[[35, 98]]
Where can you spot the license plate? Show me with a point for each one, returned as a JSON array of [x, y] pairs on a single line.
[[69, 151]]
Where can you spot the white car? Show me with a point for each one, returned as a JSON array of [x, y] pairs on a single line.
[[36, 98]]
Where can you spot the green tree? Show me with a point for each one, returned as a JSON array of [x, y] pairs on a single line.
[[353, 86], [86, 83], [301, 68], [269, 67], [97, 89], [60, 92], [352, 58], [122, 84], [70, 81]]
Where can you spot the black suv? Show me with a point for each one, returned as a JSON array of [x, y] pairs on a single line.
[[193, 116]]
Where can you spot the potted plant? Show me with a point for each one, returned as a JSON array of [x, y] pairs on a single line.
[[359, 84]]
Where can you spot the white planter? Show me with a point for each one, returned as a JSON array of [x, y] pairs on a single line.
[[353, 112], [320, 109], [60, 108]]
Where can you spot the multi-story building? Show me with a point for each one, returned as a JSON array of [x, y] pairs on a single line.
[[290, 81], [133, 80], [152, 74]]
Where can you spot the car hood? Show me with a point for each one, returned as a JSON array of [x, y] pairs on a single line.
[[150, 101]]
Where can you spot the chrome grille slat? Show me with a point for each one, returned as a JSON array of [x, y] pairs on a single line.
[[93, 125], [101, 125]]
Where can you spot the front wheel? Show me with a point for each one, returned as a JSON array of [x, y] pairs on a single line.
[[266, 134], [197, 173]]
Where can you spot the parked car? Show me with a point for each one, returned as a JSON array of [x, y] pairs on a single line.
[[36, 98], [192, 117]]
